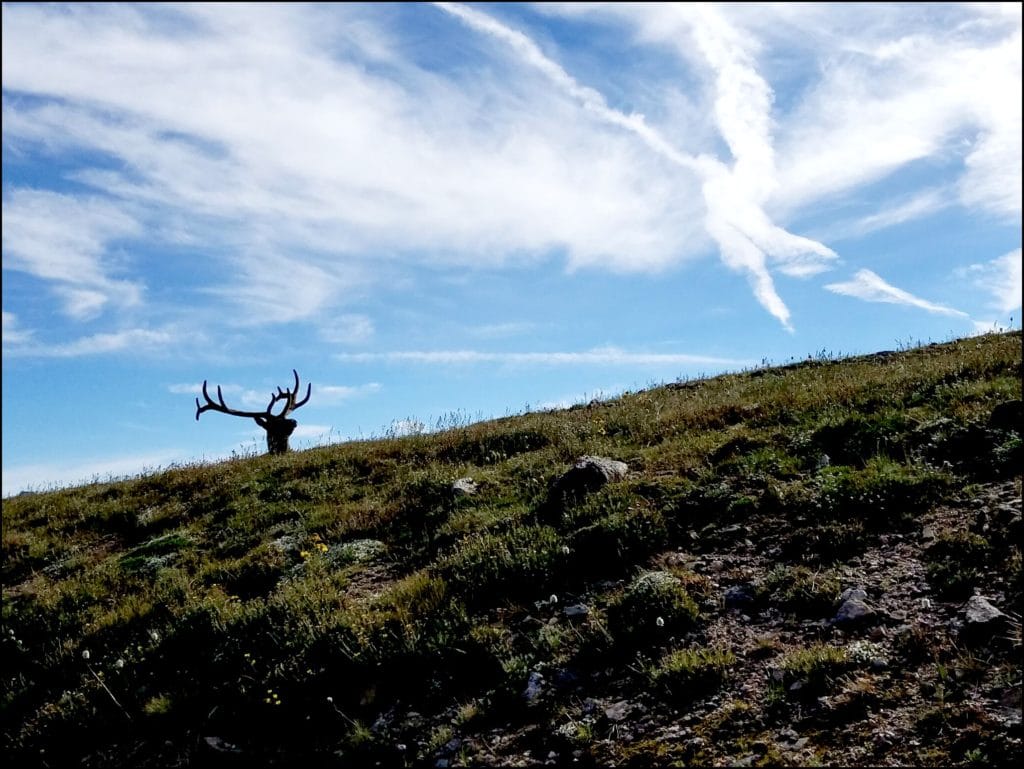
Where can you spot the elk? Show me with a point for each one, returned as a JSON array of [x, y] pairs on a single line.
[[278, 426]]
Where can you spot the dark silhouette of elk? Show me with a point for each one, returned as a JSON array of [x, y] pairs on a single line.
[[278, 426]]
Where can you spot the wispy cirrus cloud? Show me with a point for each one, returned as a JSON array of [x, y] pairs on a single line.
[[322, 143], [67, 241], [889, 96], [917, 206], [605, 356], [339, 393], [292, 145], [13, 334], [42, 476], [734, 197], [1000, 278], [144, 341], [870, 287], [325, 394], [347, 328]]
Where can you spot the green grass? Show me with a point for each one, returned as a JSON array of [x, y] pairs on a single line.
[[352, 572]]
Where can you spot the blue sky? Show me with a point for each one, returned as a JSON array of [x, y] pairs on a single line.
[[445, 212]]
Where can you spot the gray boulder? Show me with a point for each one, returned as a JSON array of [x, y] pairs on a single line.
[[464, 487], [587, 475], [978, 612]]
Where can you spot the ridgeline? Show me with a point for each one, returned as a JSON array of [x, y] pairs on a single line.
[[809, 564]]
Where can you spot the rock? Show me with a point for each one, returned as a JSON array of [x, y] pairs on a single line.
[[979, 612], [853, 611], [464, 487], [853, 593], [220, 745], [534, 687], [618, 711], [587, 475], [576, 611]]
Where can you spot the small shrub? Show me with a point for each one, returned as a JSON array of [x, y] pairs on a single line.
[[802, 591], [689, 673], [883, 495], [956, 562], [654, 605], [813, 669], [606, 546], [518, 562]]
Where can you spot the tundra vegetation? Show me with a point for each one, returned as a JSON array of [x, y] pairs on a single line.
[[807, 564]]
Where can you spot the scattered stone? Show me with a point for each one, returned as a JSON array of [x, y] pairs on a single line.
[[853, 611], [464, 487], [587, 475], [978, 611], [220, 745], [576, 611], [618, 711], [853, 594], [534, 687]]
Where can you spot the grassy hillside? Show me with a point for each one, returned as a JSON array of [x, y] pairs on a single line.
[[781, 577]]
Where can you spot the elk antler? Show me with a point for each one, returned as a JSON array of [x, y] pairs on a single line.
[[288, 396]]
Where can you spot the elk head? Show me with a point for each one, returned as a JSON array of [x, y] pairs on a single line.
[[278, 426]]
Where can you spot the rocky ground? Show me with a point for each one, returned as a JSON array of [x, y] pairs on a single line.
[[924, 675]]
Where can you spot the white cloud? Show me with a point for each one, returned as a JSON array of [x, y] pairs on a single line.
[[13, 334], [896, 213], [135, 341], [304, 151], [66, 241], [1000, 278], [606, 356], [501, 330], [325, 394], [886, 99], [44, 475], [347, 329], [734, 197], [868, 286], [315, 433], [290, 147]]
